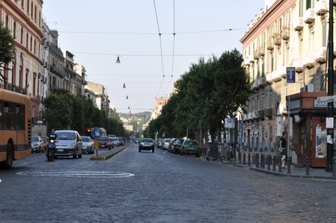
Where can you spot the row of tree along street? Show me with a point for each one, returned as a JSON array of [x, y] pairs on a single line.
[[62, 109], [207, 94]]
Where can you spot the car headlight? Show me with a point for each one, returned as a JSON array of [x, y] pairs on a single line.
[[72, 145]]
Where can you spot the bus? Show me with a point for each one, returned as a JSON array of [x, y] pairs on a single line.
[[15, 127]]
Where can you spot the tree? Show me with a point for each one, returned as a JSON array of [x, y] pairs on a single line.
[[7, 49]]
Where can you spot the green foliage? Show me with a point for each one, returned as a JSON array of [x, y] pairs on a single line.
[[7, 49], [62, 109], [207, 94]]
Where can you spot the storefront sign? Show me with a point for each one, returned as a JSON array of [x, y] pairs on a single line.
[[295, 104], [330, 122], [322, 104]]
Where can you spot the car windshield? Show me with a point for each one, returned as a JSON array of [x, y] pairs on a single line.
[[191, 143], [146, 140], [167, 140], [116, 140], [103, 139], [85, 139], [66, 135], [34, 139]]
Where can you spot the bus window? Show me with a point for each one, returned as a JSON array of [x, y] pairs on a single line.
[[9, 115], [20, 117]]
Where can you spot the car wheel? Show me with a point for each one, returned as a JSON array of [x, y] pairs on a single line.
[[139, 150], [110, 148], [55, 157], [7, 164], [152, 150], [80, 156]]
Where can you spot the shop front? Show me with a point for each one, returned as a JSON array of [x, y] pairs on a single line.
[[309, 128]]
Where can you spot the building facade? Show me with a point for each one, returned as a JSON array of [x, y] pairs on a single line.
[[286, 33], [159, 103], [23, 18], [102, 99]]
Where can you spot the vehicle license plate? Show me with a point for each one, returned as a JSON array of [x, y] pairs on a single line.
[[102, 146], [60, 150], [146, 144]]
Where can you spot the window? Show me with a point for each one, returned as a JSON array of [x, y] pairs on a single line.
[[35, 15], [21, 40], [31, 43], [22, 3], [279, 25], [32, 9], [263, 69], [14, 30], [20, 117], [28, 7], [308, 4], [9, 115], [27, 41], [300, 8], [35, 46], [324, 34]]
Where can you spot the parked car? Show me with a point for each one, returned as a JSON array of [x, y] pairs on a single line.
[[176, 147], [112, 136], [137, 140], [162, 142], [190, 147], [112, 144], [88, 144], [172, 141], [166, 144], [115, 141], [146, 144], [37, 144], [105, 142], [70, 144], [44, 138]]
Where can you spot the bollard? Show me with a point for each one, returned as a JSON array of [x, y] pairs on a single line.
[[280, 163], [269, 157], [257, 160], [244, 159], [274, 163], [307, 166], [263, 161], [249, 159], [334, 168], [289, 163], [239, 157]]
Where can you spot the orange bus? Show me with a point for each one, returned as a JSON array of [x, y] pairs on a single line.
[[15, 127]]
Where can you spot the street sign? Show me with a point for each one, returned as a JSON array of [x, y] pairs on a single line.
[[229, 123], [326, 99], [290, 74], [96, 133]]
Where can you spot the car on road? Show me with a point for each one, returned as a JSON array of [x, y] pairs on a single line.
[[37, 144], [88, 144], [69, 144], [190, 147], [166, 144], [121, 141], [115, 141], [112, 136], [146, 144], [176, 147], [137, 140], [105, 142]]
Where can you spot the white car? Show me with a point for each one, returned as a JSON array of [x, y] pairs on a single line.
[[88, 144], [166, 144], [37, 144]]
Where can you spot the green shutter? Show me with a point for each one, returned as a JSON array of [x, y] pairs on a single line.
[[263, 70], [272, 64], [308, 4]]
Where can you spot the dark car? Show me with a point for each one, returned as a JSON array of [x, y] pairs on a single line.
[[146, 144], [105, 142], [176, 147]]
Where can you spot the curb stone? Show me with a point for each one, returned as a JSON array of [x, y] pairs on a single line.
[[107, 155]]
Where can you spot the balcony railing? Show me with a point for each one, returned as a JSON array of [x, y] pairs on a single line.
[[309, 60], [298, 64], [256, 54], [277, 39], [56, 48], [57, 71], [298, 24], [309, 16], [285, 33], [320, 55], [15, 88], [321, 7], [270, 44]]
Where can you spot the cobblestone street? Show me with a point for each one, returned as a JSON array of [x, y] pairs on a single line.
[[157, 187]]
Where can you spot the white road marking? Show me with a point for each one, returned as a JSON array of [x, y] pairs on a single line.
[[84, 174]]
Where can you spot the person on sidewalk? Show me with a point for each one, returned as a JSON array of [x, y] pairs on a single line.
[[283, 149]]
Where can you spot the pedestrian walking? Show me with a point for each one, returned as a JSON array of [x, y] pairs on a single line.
[[283, 149]]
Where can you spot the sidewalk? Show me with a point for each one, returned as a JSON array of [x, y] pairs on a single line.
[[107, 155]]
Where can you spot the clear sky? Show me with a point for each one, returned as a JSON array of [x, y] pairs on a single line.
[[96, 32]]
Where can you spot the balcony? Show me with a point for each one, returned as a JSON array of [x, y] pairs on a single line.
[[246, 62], [261, 114], [57, 71], [84, 82], [255, 84], [256, 54], [321, 7], [285, 33], [282, 71], [309, 60], [298, 24], [73, 81], [268, 112], [309, 16], [251, 59], [276, 76], [262, 82], [321, 55], [269, 78], [270, 44], [15, 88], [298, 64], [277, 39], [262, 51]]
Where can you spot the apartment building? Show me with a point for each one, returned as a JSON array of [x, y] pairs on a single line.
[[81, 82], [23, 18], [102, 99], [286, 33]]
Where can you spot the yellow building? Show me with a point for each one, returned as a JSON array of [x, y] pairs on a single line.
[[286, 33], [24, 20]]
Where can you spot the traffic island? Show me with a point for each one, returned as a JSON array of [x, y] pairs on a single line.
[[107, 155]]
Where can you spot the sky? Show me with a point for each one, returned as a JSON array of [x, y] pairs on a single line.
[[97, 32]]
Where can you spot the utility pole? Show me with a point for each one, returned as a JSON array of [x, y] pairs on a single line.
[[330, 112]]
